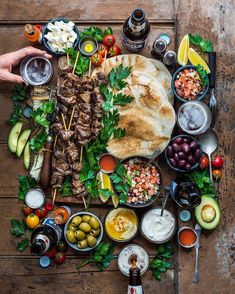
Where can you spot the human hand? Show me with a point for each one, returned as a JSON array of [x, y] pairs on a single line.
[[8, 60]]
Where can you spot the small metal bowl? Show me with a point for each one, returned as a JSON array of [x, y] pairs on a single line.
[[74, 245], [177, 168], [126, 240], [163, 241], [155, 196], [178, 237], [46, 30], [85, 39], [200, 97], [103, 170]]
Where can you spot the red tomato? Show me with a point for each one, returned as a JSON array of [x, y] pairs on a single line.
[[114, 51], [218, 162], [97, 59], [102, 49], [204, 162], [51, 253], [59, 257], [217, 174], [109, 40], [27, 210], [49, 206], [41, 212]]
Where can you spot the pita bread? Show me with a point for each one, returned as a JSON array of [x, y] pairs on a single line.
[[137, 62], [148, 120], [164, 77]]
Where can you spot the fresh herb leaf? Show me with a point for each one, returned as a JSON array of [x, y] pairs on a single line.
[[203, 74], [25, 183], [82, 62], [96, 33], [19, 93], [202, 179], [101, 256], [36, 143], [18, 228], [40, 115], [120, 99], [117, 75], [23, 244], [66, 189], [108, 31], [205, 45], [16, 114], [160, 264]]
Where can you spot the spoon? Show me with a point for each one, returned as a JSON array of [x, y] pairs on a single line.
[[198, 230], [209, 143], [154, 156], [165, 197]]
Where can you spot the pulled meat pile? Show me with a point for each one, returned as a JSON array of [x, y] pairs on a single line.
[[82, 97]]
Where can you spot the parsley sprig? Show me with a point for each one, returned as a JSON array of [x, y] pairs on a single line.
[[82, 64], [66, 189], [116, 77], [19, 93], [16, 115], [41, 114], [19, 229], [25, 183], [36, 143], [203, 74], [202, 179], [203, 44]]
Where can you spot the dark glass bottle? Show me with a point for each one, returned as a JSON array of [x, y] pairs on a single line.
[[45, 237], [135, 31], [135, 285]]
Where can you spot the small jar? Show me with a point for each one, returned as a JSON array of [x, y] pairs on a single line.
[[159, 48], [35, 198], [61, 214]]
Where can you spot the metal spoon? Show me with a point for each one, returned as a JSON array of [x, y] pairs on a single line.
[[209, 143], [198, 230], [165, 197], [154, 156]]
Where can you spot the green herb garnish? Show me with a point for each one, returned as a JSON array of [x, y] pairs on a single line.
[[203, 75], [202, 179], [101, 256], [160, 263], [40, 115], [66, 189], [19, 93], [18, 229], [36, 143], [25, 183], [96, 33], [116, 77], [16, 115], [82, 62], [205, 45]]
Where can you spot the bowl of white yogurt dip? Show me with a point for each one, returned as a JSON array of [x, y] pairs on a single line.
[[158, 229]]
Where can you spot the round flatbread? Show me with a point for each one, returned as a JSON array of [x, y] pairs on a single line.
[[137, 62], [148, 120]]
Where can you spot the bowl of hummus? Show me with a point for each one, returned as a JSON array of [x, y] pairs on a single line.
[[156, 228], [121, 224]]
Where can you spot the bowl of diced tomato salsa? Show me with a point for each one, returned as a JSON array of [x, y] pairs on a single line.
[[187, 84], [145, 180]]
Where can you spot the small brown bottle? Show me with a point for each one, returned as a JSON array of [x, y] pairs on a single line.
[[135, 285], [135, 31]]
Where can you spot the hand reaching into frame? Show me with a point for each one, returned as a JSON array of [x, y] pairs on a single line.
[[9, 60]]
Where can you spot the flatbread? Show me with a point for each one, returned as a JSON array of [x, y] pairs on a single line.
[[164, 77], [137, 62], [148, 120]]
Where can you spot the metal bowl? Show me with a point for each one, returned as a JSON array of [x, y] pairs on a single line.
[[158, 242], [126, 240], [200, 97], [74, 245], [180, 169], [46, 30], [92, 40], [178, 237], [155, 196]]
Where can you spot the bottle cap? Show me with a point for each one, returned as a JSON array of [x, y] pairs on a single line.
[[185, 215], [165, 37], [44, 261], [27, 111]]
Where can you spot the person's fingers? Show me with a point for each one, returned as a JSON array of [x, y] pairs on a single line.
[[7, 76], [31, 50]]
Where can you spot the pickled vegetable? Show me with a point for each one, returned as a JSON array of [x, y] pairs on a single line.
[[70, 236], [91, 241], [79, 235], [85, 227], [94, 223], [76, 220]]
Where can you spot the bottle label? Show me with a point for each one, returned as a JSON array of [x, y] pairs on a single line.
[[135, 290], [136, 29], [45, 239], [51, 223], [134, 46]]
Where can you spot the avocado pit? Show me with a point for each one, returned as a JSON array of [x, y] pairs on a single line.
[[208, 213]]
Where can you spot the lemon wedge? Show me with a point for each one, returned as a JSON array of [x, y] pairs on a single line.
[[182, 56], [196, 59], [115, 200], [104, 183]]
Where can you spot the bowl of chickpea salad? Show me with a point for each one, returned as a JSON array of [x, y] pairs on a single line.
[[145, 181], [187, 84]]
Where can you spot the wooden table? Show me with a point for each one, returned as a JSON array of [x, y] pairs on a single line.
[[214, 20]]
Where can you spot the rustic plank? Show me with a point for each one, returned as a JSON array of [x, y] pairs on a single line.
[[217, 253], [84, 10], [66, 279]]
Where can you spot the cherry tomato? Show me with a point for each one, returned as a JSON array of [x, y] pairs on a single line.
[[27, 210], [217, 174], [218, 162], [32, 221], [204, 162], [103, 49], [41, 212], [114, 51], [49, 206], [97, 59], [51, 253], [59, 257], [109, 40]]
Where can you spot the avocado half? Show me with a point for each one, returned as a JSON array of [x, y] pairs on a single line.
[[208, 213]]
